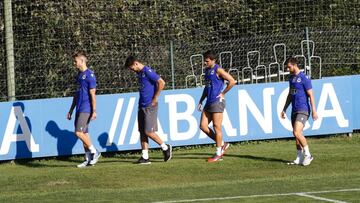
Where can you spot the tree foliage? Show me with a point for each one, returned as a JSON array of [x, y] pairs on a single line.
[[47, 32]]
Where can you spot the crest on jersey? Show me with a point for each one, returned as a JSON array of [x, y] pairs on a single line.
[[83, 77], [212, 72], [298, 80]]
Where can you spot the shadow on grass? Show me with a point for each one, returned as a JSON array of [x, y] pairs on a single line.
[[72, 161], [45, 162], [35, 163], [269, 159], [192, 155], [41, 163], [207, 155]]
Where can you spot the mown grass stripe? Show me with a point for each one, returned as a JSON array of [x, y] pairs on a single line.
[[304, 194]]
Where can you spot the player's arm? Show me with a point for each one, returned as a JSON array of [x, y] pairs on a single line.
[[287, 103], [309, 92], [203, 96], [226, 76], [308, 88], [93, 103], [160, 85], [73, 104]]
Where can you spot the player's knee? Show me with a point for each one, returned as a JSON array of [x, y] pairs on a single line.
[[78, 133], [217, 127], [297, 133]]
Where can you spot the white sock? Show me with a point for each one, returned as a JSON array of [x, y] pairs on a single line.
[[307, 151], [145, 154], [218, 151], [92, 149], [164, 146], [222, 143]]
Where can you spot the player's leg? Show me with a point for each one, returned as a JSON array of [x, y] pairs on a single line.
[[300, 152], [166, 148], [150, 127], [84, 139], [298, 133], [144, 159], [220, 108], [81, 131], [216, 110], [80, 127], [87, 152], [206, 118], [217, 123], [87, 158], [94, 153], [217, 120], [144, 140], [221, 146], [299, 155]]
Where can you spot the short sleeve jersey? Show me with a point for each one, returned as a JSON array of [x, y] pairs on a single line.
[[86, 80], [147, 85], [299, 84], [213, 84]]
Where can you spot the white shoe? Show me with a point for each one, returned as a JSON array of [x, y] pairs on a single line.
[[297, 161], [95, 158], [84, 164], [307, 160]]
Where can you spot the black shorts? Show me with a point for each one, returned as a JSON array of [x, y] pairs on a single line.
[[147, 119], [82, 121], [300, 116]]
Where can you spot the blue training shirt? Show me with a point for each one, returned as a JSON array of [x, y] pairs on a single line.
[[214, 84], [147, 85], [86, 80], [299, 84]]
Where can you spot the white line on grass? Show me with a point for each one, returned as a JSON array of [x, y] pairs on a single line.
[[304, 194], [319, 198]]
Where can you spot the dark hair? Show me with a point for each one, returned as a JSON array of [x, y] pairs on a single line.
[[291, 60], [79, 53], [210, 55], [130, 60]]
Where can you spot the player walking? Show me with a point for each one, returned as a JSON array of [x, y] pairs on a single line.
[[150, 86], [85, 102], [299, 93], [215, 103]]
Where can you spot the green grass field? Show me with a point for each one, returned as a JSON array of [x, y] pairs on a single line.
[[250, 172]]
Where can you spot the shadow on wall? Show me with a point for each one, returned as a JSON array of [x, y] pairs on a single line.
[[66, 139], [103, 140]]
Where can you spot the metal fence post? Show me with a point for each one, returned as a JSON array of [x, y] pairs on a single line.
[[172, 64], [9, 43], [308, 50]]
